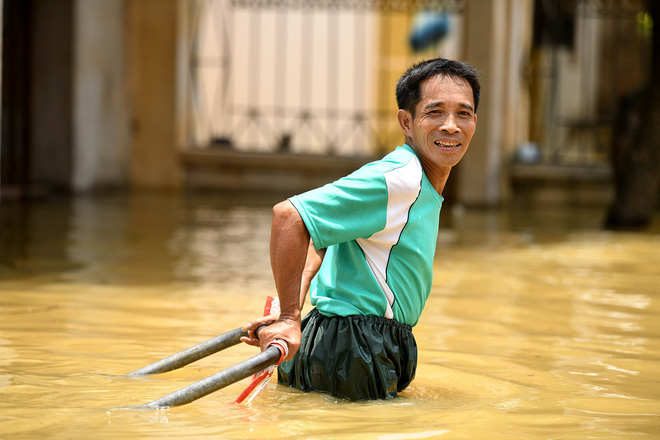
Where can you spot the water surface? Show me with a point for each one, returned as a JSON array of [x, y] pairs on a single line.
[[540, 325]]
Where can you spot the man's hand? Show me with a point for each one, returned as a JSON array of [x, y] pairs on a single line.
[[286, 329], [252, 326]]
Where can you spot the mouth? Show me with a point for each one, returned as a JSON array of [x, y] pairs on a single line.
[[447, 144]]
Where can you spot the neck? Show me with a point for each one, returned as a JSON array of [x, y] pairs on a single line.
[[437, 175]]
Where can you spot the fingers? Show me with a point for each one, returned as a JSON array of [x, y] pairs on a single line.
[[269, 329], [252, 327], [286, 330], [250, 341]]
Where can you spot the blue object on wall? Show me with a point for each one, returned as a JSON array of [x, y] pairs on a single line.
[[429, 27]]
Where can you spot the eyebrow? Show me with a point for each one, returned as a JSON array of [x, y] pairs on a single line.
[[441, 103]]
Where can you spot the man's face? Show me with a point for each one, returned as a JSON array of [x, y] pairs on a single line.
[[444, 122]]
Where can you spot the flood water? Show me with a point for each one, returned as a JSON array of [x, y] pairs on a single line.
[[540, 325]]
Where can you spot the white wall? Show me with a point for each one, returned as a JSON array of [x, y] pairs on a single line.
[[101, 115], [332, 46], [578, 73]]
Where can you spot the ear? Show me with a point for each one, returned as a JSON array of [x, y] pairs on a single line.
[[405, 121]]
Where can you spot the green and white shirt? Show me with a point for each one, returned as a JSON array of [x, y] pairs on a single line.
[[380, 226]]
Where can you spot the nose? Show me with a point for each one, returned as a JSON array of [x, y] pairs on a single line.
[[449, 125]]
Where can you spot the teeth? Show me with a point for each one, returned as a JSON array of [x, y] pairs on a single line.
[[447, 144]]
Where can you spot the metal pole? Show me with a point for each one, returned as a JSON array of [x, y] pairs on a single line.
[[219, 380], [192, 354]]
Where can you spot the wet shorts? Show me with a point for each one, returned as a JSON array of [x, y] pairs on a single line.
[[352, 357]]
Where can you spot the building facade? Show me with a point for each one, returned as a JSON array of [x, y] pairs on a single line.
[[175, 94]]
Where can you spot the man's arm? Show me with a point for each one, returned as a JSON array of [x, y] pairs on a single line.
[[312, 266], [289, 242]]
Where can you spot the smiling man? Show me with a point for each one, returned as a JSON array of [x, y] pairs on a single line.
[[364, 247]]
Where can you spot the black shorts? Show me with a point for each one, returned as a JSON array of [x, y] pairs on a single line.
[[352, 357]]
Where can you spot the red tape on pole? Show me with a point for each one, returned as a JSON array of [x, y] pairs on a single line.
[[260, 379]]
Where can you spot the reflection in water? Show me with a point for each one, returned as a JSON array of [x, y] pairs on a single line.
[[539, 325], [224, 247]]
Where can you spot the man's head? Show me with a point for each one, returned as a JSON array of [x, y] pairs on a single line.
[[408, 88], [437, 113]]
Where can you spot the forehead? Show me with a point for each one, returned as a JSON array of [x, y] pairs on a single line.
[[446, 89]]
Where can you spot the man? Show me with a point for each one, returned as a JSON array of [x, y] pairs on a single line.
[[365, 246]]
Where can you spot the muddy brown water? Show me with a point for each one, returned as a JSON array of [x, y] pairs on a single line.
[[540, 325]]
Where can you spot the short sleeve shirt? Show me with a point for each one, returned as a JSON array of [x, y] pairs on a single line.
[[380, 227]]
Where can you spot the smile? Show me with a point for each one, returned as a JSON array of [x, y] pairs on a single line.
[[447, 144]]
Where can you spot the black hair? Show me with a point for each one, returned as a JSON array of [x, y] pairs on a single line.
[[408, 93]]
